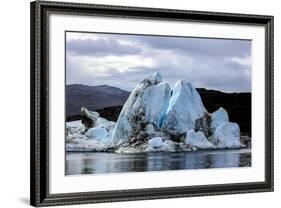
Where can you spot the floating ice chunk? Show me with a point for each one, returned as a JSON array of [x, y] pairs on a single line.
[[77, 124], [97, 133], [103, 123], [184, 108], [89, 118], [198, 140], [168, 146], [217, 118], [155, 142], [227, 135], [74, 126], [90, 114], [70, 138]]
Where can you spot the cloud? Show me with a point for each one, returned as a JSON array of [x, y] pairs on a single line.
[[124, 60], [200, 46], [100, 47]]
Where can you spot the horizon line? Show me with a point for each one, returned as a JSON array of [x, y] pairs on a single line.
[[132, 90]]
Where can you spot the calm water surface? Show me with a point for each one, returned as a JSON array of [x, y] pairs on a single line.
[[95, 163]]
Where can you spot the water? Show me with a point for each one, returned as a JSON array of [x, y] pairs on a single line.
[[96, 163]]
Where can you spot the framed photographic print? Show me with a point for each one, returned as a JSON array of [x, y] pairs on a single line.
[[131, 103]]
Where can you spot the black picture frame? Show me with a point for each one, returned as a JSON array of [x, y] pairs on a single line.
[[39, 177]]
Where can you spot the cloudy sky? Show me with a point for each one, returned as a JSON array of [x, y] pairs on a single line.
[[124, 60]]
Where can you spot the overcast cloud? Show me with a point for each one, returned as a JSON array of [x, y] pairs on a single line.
[[124, 60]]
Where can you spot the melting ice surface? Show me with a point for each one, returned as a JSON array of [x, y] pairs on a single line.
[[98, 163]]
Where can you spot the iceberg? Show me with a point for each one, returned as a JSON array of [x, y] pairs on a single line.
[[185, 106], [74, 126], [169, 146], [197, 140], [146, 105], [89, 118], [97, 133], [91, 133], [155, 142], [227, 135], [217, 118], [155, 118], [103, 123]]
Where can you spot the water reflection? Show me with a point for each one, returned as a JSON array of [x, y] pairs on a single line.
[[94, 163]]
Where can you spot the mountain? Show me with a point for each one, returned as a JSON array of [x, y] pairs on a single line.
[[108, 101], [93, 97]]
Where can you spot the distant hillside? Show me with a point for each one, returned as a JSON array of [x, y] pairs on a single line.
[[93, 97], [108, 101]]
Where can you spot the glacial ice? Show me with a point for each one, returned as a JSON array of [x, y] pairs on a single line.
[[74, 126], [227, 135], [146, 104], [197, 140], [79, 137], [184, 108], [155, 118], [103, 123], [168, 146], [150, 129], [91, 115], [155, 142], [218, 117], [86, 145], [97, 133]]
